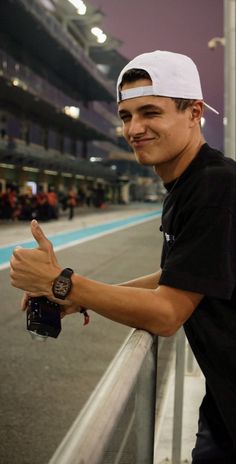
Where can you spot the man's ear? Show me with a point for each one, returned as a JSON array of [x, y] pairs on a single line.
[[197, 111]]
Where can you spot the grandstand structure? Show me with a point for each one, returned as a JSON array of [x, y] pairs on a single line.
[[58, 117]]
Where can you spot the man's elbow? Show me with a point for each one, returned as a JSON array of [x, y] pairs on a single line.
[[166, 329], [168, 332]]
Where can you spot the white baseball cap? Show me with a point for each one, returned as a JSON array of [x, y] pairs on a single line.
[[172, 74]]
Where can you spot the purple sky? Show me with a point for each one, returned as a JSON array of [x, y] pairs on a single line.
[[183, 26]]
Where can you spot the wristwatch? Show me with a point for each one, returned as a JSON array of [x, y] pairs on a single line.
[[62, 284]]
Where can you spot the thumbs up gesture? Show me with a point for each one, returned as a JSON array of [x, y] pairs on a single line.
[[34, 270]]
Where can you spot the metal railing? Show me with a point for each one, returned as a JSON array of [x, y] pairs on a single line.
[[135, 365]]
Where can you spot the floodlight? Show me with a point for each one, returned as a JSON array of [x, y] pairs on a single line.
[[79, 5]]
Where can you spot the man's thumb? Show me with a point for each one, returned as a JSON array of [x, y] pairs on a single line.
[[39, 236]]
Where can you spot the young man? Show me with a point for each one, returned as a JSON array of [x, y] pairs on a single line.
[[160, 103]]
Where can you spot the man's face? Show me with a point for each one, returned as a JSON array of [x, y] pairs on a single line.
[[153, 127]]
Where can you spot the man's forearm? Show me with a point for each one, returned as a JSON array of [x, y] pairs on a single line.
[[140, 308], [135, 307], [150, 281], [161, 311]]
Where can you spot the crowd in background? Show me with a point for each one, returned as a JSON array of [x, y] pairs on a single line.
[[45, 206]]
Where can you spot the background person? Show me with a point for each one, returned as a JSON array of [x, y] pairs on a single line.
[[71, 203]]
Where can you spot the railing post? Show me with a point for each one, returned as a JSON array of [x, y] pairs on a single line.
[[145, 403], [178, 397], [190, 361]]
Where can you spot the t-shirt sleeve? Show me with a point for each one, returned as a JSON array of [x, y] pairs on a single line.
[[202, 257]]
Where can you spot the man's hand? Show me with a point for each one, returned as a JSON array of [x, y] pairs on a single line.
[[65, 309], [35, 270], [70, 308]]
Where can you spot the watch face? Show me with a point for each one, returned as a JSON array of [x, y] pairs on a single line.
[[61, 287]]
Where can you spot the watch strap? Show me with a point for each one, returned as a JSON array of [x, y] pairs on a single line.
[[67, 272]]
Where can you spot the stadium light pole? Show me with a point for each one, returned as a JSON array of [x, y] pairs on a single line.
[[229, 78], [228, 41]]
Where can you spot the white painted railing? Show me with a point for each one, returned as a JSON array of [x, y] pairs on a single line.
[[133, 368]]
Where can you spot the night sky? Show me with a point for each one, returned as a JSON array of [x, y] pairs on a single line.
[[183, 26]]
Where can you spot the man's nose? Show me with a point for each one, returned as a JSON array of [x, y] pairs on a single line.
[[136, 127]]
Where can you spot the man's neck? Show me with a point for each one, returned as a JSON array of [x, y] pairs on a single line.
[[174, 168]]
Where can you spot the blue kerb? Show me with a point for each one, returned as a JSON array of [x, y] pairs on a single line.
[[77, 235]]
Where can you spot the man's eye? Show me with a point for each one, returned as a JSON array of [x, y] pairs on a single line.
[[125, 118], [152, 113]]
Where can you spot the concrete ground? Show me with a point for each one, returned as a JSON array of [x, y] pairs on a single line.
[[194, 386], [44, 385]]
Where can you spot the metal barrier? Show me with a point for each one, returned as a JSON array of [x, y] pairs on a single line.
[[86, 441], [135, 365]]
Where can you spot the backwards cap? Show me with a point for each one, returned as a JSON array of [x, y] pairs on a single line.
[[172, 74]]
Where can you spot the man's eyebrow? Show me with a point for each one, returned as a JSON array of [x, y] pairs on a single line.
[[123, 112], [149, 106]]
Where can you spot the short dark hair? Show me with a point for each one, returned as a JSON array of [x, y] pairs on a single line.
[[134, 74]]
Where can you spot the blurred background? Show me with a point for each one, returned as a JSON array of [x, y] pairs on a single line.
[[62, 155], [59, 132]]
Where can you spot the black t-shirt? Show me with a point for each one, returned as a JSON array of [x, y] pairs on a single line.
[[199, 255]]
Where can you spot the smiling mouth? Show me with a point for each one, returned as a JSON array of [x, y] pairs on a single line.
[[141, 143]]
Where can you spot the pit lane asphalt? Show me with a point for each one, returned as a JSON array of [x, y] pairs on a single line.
[[44, 385]]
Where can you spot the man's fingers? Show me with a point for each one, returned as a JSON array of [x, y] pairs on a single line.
[[39, 236], [24, 301], [15, 254], [25, 298]]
